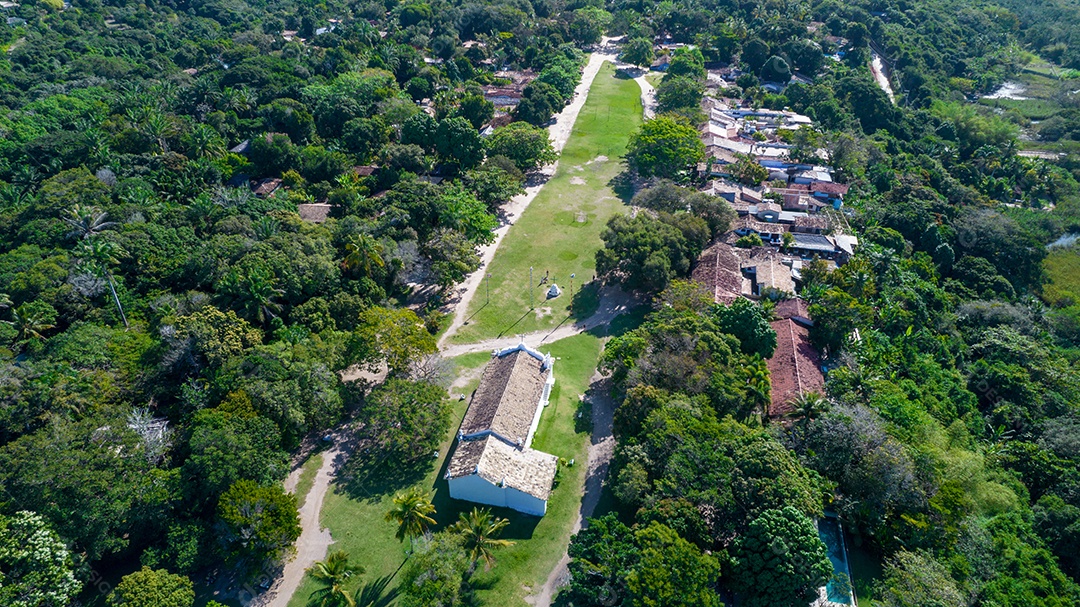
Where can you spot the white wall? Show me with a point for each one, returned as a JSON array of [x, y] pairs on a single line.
[[472, 488]]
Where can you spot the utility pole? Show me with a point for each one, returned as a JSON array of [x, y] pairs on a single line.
[[571, 292], [531, 306], [487, 283]]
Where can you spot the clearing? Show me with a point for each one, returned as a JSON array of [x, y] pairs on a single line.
[[559, 233]]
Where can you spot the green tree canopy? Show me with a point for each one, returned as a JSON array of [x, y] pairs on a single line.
[[665, 147], [780, 561], [153, 588]]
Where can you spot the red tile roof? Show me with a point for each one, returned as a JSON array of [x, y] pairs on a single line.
[[792, 308], [828, 187], [718, 268], [795, 367]]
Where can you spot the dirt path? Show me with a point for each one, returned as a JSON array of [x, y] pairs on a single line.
[[314, 540], [613, 302], [511, 211], [600, 452]]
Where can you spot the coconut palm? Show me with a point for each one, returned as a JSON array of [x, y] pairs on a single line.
[[87, 221], [481, 531], [257, 294], [28, 322], [333, 575], [362, 252], [806, 407], [206, 142], [758, 389], [99, 255], [412, 512]]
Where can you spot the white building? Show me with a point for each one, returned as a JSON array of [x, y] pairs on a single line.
[[492, 461]]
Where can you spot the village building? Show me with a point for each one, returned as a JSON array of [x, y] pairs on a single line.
[[492, 462], [795, 366]]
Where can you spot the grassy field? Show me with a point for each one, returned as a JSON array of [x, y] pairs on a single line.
[[559, 233], [1062, 266], [358, 527]]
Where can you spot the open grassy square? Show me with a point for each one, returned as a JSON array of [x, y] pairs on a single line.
[[559, 233]]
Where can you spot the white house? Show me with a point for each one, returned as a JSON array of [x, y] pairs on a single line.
[[492, 461]]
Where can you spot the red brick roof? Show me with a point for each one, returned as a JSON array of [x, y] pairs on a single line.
[[792, 308], [795, 367], [828, 187], [718, 268]]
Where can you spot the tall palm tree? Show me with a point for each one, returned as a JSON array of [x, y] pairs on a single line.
[[362, 252], [333, 575], [87, 221], [160, 128], [412, 512], [481, 531], [99, 255], [29, 323], [806, 407]]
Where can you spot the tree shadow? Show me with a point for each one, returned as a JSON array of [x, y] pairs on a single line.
[[377, 593], [586, 300], [366, 476], [624, 185]]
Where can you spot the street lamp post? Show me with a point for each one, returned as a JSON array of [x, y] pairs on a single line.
[[571, 292], [531, 305]]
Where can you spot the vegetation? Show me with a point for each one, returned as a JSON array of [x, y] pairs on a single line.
[[173, 332]]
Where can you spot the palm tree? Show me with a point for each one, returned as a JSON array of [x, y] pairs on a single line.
[[206, 142], [87, 221], [29, 323], [99, 255], [333, 575], [758, 388], [258, 293], [806, 407], [481, 530], [160, 128], [412, 512], [362, 252]]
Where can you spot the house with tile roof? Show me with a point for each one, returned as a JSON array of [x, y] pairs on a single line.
[[492, 462], [795, 366]]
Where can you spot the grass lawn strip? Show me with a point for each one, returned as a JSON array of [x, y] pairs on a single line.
[[559, 233]]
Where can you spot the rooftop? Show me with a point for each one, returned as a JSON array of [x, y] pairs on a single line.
[[795, 367], [718, 270], [527, 470], [315, 212], [510, 389]]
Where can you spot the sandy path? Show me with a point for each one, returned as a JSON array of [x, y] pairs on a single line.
[[648, 97], [613, 302], [600, 452], [511, 211], [314, 540]]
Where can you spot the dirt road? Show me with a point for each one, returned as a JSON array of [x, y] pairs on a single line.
[[600, 452], [613, 302], [314, 540]]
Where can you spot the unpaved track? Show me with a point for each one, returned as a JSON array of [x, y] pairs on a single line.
[[511, 211], [600, 451], [314, 540], [613, 302]]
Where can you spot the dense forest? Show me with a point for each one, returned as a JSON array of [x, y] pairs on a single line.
[[174, 333]]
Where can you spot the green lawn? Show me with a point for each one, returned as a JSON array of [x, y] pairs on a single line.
[[358, 527], [549, 236], [1062, 266]]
